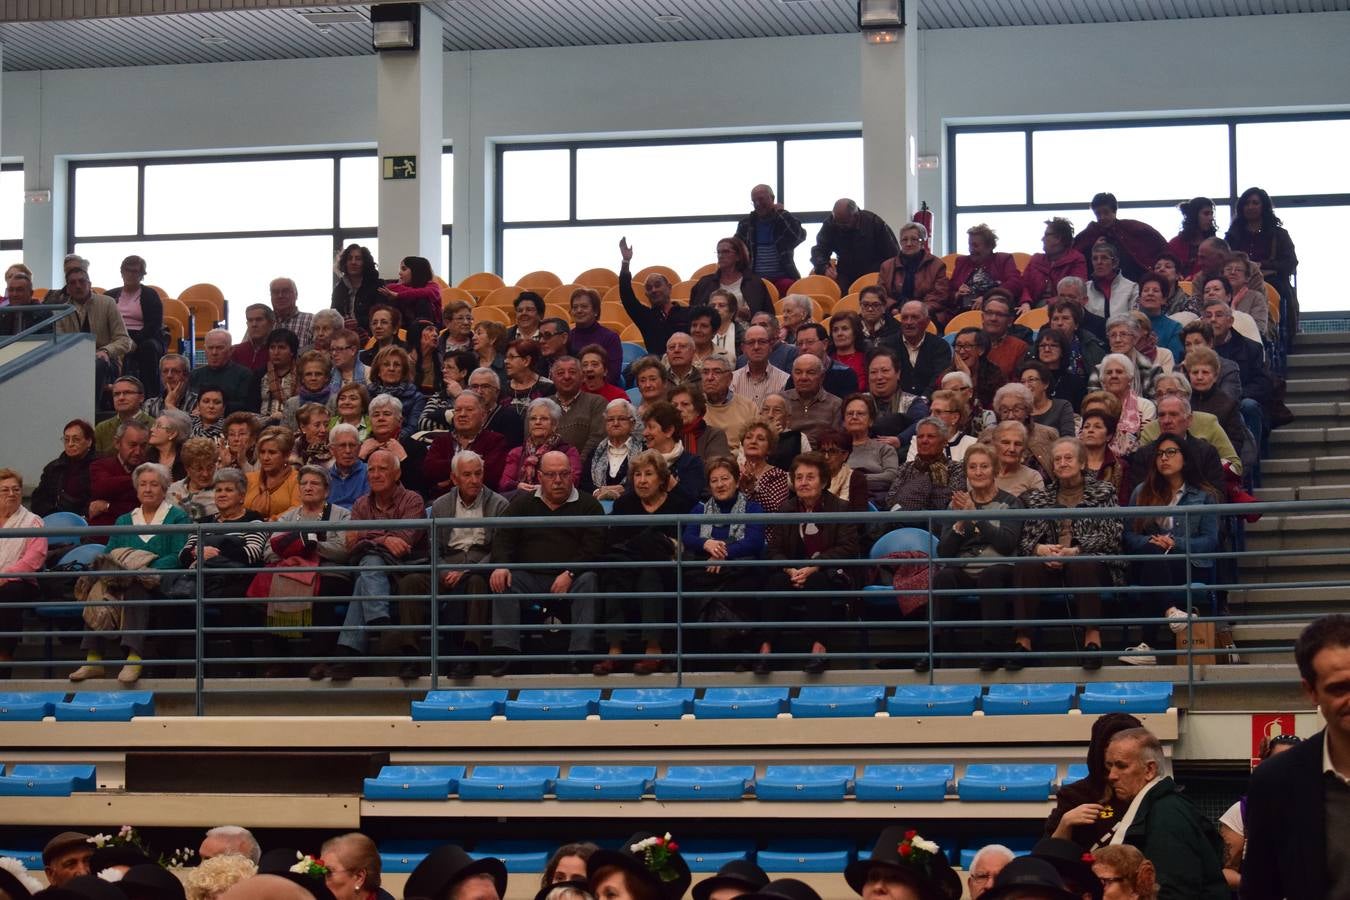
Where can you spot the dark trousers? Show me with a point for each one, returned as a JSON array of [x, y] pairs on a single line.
[[1163, 570], [622, 609], [456, 611], [104, 372], [778, 604], [143, 360], [978, 580], [701, 589], [11, 617], [1084, 578]]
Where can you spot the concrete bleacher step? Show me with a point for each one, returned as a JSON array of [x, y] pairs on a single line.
[[1267, 600], [1319, 361], [1320, 414], [1304, 492], [1319, 342], [1301, 470], [1302, 390], [1301, 439], [1276, 532]]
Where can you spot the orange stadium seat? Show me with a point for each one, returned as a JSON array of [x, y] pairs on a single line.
[[562, 294], [971, 318], [451, 294], [503, 296], [703, 270], [671, 275], [540, 282], [1021, 259], [207, 291], [863, 281], [816, 284], [481, 284], [600, 279]]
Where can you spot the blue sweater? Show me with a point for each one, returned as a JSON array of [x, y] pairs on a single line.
[[749, 547]]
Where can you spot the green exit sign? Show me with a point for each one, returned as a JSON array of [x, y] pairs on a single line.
[[399, 168]]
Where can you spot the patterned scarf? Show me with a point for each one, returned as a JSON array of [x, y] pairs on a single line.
[[600, 460], [713, 507], [939, 469], [530, 455], [276, 390], [1126, 440]]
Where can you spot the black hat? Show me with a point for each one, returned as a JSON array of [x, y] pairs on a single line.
[[1067, 858], [739, 873], [279, 861], [448, 865], [91, 887], [12, 886], [935, 881], [117, 855], [64, 841], [574, 884], [634, 862], [785, 889], [1029, 872], [151, 882]]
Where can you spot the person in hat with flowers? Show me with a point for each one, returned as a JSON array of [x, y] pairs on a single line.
[[448, 873], [647, 867], [904, 866]]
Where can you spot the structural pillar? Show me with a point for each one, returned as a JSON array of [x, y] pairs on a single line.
[[409, 122], [890, 115]]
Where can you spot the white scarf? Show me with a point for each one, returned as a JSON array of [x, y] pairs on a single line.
[[1117, 834], [675, 452], [11, 549], [138, 518]]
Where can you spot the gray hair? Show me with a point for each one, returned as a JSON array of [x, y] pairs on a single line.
[[181, 422], [1074, 282], [233, 475], [1183, 385], [175, 358], [329, 315], [242, 838], [1077, 446], [917, 227], [1185, 404], [723, 357], [559, 360], [223, 331], [1122, 359], [1106, 247], [161, 473], [126, 425], [470, 395], [624, 405], [1013, 388], [991, 850], [800, 302], [550, 406], [320, 471], [1150, 750], [935, 422], [383, 401], [810, 358], [464, 456], [341, 429], [1011, 425], [485, 370], [960, 377], [75, 257], [1125, 319], [398, 463]]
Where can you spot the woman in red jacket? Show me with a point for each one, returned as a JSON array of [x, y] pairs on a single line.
[[1197, 224], [1040, 279], [982, 270]]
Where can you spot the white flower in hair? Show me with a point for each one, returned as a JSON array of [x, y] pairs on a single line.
[[111, 875], [99, 840], [19, 871], [926, 845]]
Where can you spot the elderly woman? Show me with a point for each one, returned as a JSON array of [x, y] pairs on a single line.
[[142, 311], [923, 482], [841, 479], [876, 460], [385, 323], [212, 877], [316, 385], [530, 310], [1052, 412], [222, 553], [1153, 290], [1147, 348], [542, 417], [982, 270], [194, 492], [208, 420], [523, 383], [1009, 439], [272, 489], [140, 554], [391, 373], [171, 428], [64, 485], [1095, 433], [594, 368], [950, 408], [1082, 350], [1118, 378], [651, 380], [1058, 259], [348, 367], [1122, 337], [1202, 368], [846, 334], [439, 411], [916, 274], [610, 463], [661, 430], [970, 358], [761, 480], [1072, 488], [735, 276], [327, 323], [311, 444], [458, 334], [352, 406], [239, 450], [982, 541], [489, 347], [18, 556], [1124, 873], [699, 438], [1249, 291], [732, 332], [791, 441], [357, 290], [650, 545], [823, 542], [1013, 403], [1109, 293]]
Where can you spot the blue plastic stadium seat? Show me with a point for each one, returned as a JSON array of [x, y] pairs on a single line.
[[63, 520], [711, 855], [741, 703], [806, 856], [47, 781], [106, 706], [1020, 846], [804, 782], [647, 703], [934, 700], [705, 783], [31, 859], [28, 707], [607, 506], [820, 701], [508, 783], [404, 856], [1126, 696], [606, 783], [635, 398], [518, 856], [551, 704], [414, 783], [1075, 772], [920, 782], [459, 706], [1024, 699], [84, 555], [1006, 781]]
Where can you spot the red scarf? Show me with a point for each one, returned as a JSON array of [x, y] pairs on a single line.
[[691, 433]]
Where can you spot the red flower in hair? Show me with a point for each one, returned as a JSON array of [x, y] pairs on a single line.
[[906, 849]]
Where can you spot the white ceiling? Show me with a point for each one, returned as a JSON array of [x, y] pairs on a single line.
[[65, 34]]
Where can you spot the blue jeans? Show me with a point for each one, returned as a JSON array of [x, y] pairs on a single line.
[[369, 583]]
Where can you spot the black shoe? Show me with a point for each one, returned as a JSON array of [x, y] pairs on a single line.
[[1092, 663], [922, 665], [816, 665], [503, 666], [340, 671], [409, 671], [1017, 660], [761, 665], [318, 671], [990, 664], [462, 670]]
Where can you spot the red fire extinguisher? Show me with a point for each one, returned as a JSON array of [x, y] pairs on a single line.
[[924, 217]]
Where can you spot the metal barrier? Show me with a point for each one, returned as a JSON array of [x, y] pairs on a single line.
[[927, 636]]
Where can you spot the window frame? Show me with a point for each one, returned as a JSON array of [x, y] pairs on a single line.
[[14, 243]]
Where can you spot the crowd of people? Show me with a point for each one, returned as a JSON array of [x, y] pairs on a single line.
[[1139, 389]]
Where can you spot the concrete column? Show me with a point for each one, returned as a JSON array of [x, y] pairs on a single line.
[[890, 106], [409, 117]]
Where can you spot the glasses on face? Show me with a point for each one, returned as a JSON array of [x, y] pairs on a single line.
[[1169, 453], [754, 342], [547, 334], [1108, 880], [555, 476], [1012, 410], [714, 373], [617, 420], [966, 345], [1031, 379], [339, 348]]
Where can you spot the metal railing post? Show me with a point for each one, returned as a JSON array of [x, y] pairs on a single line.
[[199, 682], [434, 615], [932, 663], [679, 606]]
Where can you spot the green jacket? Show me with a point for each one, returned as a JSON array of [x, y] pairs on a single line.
[[166, 547], [1181, 843]]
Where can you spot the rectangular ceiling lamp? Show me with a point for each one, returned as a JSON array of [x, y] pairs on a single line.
[[393, 26], [881, 21]]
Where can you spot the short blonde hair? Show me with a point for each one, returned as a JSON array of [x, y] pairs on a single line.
[[984, 233], [7, 474], [216, 875]]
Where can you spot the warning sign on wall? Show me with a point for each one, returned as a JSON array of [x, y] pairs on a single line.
[[1266, 726]]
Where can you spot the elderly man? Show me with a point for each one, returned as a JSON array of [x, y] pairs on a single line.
[[177, 392], [1177, 838], [233, 379], [851, 243], [1058, 260], [984, 868], [772, 234], [66, 856], [923, 356], [347, 478], [377, 546], [880, 329], [780, 354], [1210, 258], [19, 293], [1074, 289], [467, 499], [251, 352], [811, 409], [797, 311], [94, 314], [726, 409], [1140, 243], [554, 335], [111, 491], [583, 414], [1006, 350], [467, 432], [813, 339], [1257, 387], [757, 378], [679, 360], [226, 840], [897, 409], [502, 418], [288, 315], [1175, 416], [127, 395], [570, 547], [662, 318]]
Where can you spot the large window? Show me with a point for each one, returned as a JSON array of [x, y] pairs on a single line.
[[1015, 177], [11, 214], [236, 222], [563, 207]]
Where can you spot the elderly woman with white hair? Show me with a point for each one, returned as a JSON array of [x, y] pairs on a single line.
[[1013, 403], [1118, 378], [610, 463], [170, 429], [542, 418], [1123, 334], [327, 323], [144, 554]]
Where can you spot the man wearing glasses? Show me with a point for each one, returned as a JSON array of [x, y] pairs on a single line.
[[553, 337], [759, 377], [1005, 349], [726, 409], [347, 365], [222, 372]]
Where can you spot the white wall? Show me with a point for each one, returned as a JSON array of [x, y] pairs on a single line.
[[1269, 63], [64, 373]]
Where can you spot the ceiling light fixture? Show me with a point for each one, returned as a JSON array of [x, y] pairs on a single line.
[[668, 18], [881, 21], [393, 26], [213, 40], [333, 18]]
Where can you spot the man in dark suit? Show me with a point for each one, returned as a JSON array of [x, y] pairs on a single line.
[[923, 356], [1298, 808]]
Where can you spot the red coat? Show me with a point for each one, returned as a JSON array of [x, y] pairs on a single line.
[[111, 483], [1139, 244], [436, 464], [1001, 267], [1185, 252], [1043, 274]]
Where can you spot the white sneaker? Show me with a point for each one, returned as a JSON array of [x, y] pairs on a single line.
[[1139, 655], [1178, 617]]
